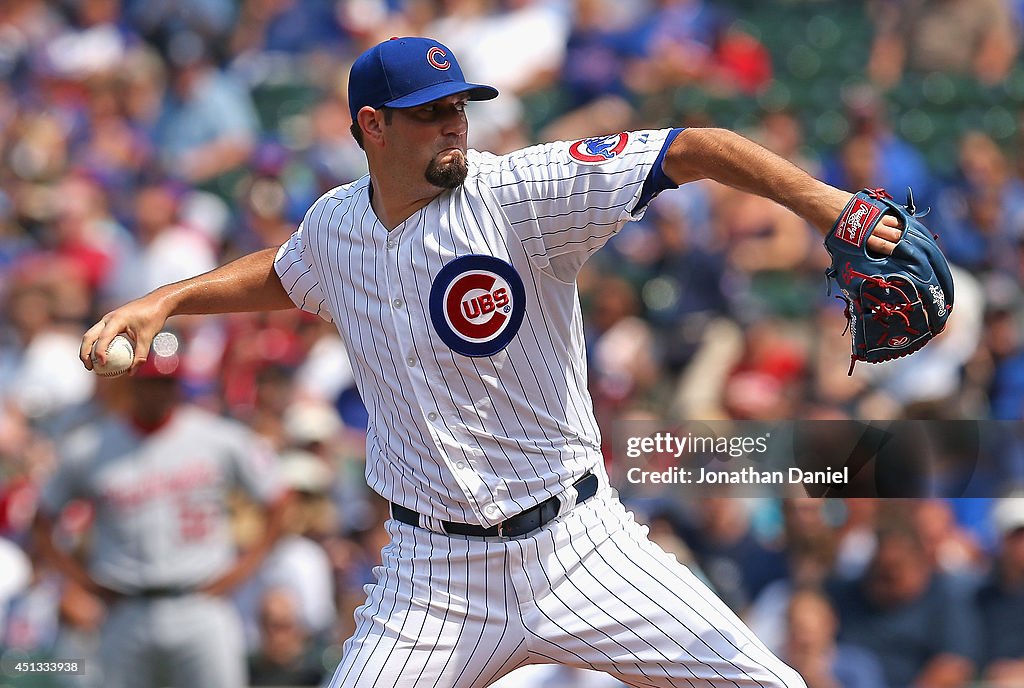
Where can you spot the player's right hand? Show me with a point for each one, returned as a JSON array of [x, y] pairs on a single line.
[[140, 320]]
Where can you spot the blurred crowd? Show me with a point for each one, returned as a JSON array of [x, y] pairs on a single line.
[[145, 141]]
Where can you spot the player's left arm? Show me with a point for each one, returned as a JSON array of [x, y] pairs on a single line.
[[254, 467], [728, 158], [250, 560]]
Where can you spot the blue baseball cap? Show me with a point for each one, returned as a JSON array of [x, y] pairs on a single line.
[[406, 72]]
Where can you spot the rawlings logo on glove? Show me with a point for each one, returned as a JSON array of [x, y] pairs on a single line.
[[894, 304], [855, 220]]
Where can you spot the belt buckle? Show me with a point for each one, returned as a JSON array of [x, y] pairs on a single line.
[[501, 529]]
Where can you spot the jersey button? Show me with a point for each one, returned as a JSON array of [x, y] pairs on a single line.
[[491, 510], [390, 244], [411, 361], [460, 465], [432, 417], [397, 303]]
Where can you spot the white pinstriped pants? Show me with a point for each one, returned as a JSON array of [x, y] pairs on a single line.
[[588, 590]]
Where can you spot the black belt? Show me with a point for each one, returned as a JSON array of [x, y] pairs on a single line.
[[151, 593], [520, 524]]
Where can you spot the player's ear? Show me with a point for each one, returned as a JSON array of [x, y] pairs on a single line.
[[372, 123]]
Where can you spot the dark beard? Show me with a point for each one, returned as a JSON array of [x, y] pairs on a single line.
[[447, 175]]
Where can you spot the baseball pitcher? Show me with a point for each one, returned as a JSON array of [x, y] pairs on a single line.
[[451, 274]]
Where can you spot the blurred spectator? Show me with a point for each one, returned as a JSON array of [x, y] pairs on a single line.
[[272, 392], [268, 211], [603, 116], [691, 42], [259, 358], [15, 576], [976, 37], [354, 554], [662, 531], [781, 132], [142, 81], [31, 616], [980, 217], [810, 548], [1003, 357], [1001, 600], [810, 563], [333, 156], [490, 35], [765, 382], [812, 650], [760, 235], [166, 249], [286, 655], [208, 125], [326, 372], [14, 241], [685, 288], [737, 565], [297, 563], [858, 162], [952, 548], [832, 393], [763, 241], [741, 63], [315, 428], [211, 19], [84, 232], [923, 629], [312, 425], [676, 44], [594, 65], [621, 345], [95, 44], [27, 25], [701, 390], [873, 155], [288, 26], [39, 370]]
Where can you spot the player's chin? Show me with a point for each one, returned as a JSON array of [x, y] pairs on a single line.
[[448, 169]]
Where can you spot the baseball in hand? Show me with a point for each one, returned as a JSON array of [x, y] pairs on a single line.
[[120, 355]]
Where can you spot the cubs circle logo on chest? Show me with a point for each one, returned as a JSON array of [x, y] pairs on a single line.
[[477, 304]]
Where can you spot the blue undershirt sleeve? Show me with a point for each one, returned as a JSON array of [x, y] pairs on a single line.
[[657, 181]]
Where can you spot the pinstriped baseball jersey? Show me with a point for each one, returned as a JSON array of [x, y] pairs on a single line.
[[463, 323]]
